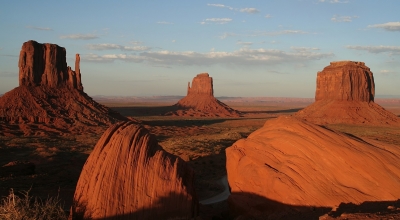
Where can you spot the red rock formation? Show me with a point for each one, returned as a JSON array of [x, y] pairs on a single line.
[[129, 176], [293, 164], [345, 81], [202, 84], [200, 100], [345, 94], [45, 64], [50, 98]]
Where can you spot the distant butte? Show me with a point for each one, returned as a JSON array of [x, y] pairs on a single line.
[[200, 100], [50, 97], [345, 94]]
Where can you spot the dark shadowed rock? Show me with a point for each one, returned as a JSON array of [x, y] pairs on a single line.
[[17, 168], [129, 176]]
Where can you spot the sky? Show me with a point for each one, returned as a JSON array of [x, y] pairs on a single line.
[[252, 48]]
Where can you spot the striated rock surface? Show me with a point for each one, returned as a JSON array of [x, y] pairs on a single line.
[[200, 100], [129, 176], [345, 94], [293, 164], [345, 81], [50, 97], [45, 64]]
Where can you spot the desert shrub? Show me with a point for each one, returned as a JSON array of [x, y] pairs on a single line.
[[25, 207]]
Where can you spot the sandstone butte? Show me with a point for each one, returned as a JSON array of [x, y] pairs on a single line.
[[129, 176], [345, 94], [50, 97], [200, 100], [291, 164]]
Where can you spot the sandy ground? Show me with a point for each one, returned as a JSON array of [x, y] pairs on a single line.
[[199, 141]]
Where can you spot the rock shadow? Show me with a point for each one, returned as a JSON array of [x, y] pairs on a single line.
[[164, 208], [137, 111], [292, 110]]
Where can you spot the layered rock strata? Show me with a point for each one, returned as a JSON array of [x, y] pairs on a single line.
[[129, 176], [345, 94], [200, 100], [291, 164]]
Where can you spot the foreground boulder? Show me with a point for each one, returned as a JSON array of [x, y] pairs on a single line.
[[293, 164], [129, 176], [345, 94], [200, 100], [50, 97]]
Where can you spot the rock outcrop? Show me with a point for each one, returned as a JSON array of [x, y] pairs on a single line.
[[345, 94], [345, 81], [50, 97], [200, 100], [46, 65], [129, 176], [291, 164]]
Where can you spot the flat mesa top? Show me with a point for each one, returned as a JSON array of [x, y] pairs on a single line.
[[203, 75], [346, 62]]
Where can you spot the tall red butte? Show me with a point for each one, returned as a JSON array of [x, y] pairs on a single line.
[[200, 100], [129, 176], [50, 97], [345, 94]]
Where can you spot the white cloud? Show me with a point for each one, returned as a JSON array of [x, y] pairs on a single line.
[[337, 18], [377, 49], [111, 58], [216, 20], [164, 22], [263, 33], [250, 10], [40, 28], [173, 41], [244, 43], [79, 36], [116, 47], [244, 56], [268, 16], [389, 26], [220, 6], [387, 72]]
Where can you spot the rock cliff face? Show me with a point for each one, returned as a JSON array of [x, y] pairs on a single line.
[[293, 164], [50, 97], [345, 94], [200, 100], [202, 84], [129, 176], [45, 65], [345, 81]]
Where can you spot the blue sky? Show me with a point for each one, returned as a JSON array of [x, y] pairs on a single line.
[[251, 48]]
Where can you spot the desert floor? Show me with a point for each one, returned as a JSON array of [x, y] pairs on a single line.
[[199, 141]]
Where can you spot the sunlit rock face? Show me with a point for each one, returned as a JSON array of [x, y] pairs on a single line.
[[129, 176], [345, 81], [50, 99], [46, 65], [293, 164], [200, 100], [345, 95]]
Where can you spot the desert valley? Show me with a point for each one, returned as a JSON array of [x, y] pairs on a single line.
[[197, 157]]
